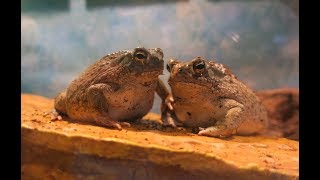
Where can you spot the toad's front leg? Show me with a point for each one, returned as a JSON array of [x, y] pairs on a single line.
[[167, 112], [99, 106], [229, 122], [168, 116]]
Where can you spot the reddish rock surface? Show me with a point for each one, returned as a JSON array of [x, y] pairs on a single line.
[[283, 110], [69, 150]]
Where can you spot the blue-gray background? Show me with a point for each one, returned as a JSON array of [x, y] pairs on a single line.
[[258, 40]]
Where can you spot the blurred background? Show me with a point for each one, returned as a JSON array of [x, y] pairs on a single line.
[[257, 39]]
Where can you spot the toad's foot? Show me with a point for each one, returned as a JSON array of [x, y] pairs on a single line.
[[125, 124], [219, 131], [112, 123], [168, 119], [54, 115]]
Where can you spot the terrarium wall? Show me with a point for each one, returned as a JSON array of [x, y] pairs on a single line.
[[258, 40]]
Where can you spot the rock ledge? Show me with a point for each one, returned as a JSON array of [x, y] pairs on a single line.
[[70, 150]]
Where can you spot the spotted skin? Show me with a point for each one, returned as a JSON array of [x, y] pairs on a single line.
[[207, 95], [115, 90]]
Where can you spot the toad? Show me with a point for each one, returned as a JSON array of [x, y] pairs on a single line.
[[208, 96], [115, 90]]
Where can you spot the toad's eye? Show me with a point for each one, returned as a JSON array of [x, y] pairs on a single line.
[[140, 55], [199, 65], [168, 68]]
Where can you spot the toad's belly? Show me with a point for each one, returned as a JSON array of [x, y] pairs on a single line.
[[196, 115], [130, 106]]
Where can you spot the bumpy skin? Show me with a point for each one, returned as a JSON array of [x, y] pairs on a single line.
[[117, 88], [207, 95]]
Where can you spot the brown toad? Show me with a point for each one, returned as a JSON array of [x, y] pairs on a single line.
[[117, 88], [207, 95]]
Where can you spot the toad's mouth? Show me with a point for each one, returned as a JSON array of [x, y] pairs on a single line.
[[199, 81]]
